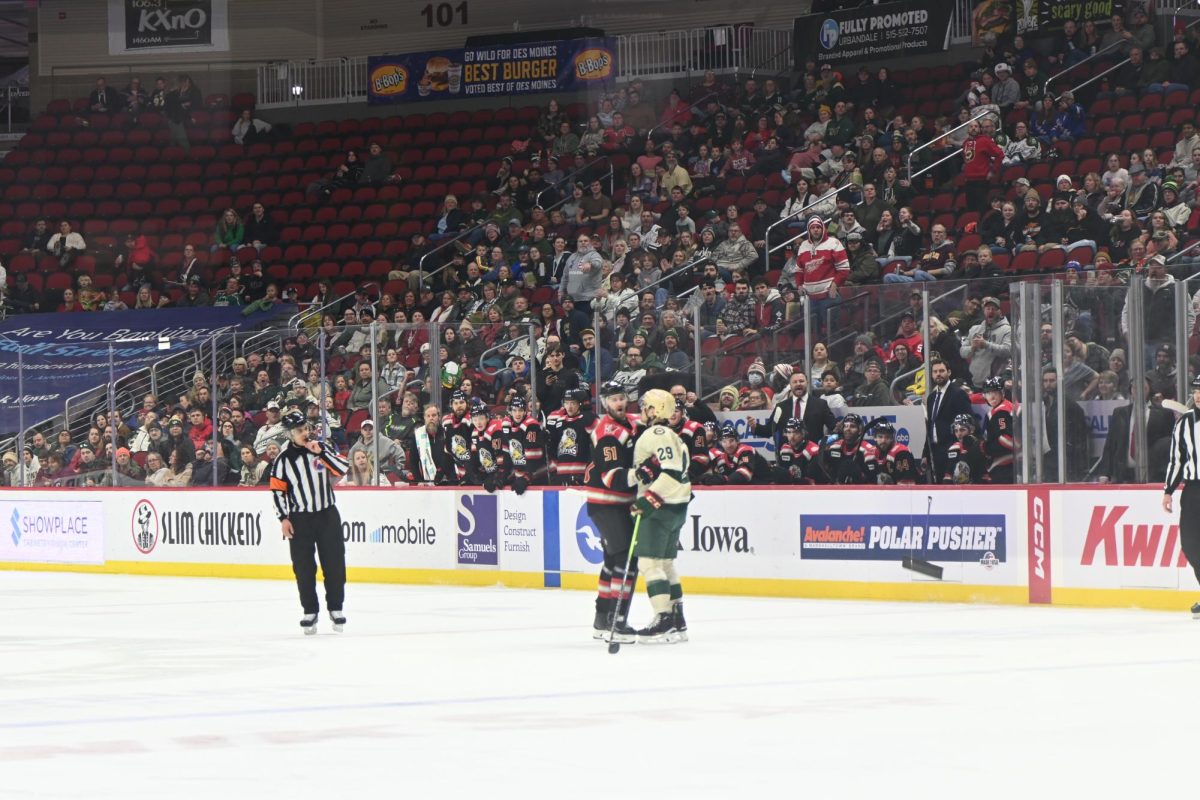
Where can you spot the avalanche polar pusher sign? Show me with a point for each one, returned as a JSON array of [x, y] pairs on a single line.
[[891, 537]]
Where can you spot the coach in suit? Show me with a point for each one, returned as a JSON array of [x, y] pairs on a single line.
[[798, 404], [1117, 461], [945, 402]]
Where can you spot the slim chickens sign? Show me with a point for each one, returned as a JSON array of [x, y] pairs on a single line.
[[156, 26]]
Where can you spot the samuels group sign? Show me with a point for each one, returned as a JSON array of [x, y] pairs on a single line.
[[167, 26]]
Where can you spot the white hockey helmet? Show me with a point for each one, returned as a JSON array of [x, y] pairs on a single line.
[[657, 405]]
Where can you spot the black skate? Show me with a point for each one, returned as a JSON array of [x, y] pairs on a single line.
[[308, 623], [1196, 611], [680, 624], [660, 631], [338, 619], [622, 634]]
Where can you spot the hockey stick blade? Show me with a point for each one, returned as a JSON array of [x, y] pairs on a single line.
[[922, 567], [614, 648]]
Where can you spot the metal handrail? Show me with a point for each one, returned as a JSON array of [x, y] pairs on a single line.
[[561, 201], [507, 343], [956, 152], [440, 247], [903, 376], [1096, 77], [772, 57], [298, 318], [767, 236], [1187, 249], [1097, 54], [791, 323], [931, 142]]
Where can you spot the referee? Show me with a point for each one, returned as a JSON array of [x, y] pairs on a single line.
[[1184, 467], [302, 488]]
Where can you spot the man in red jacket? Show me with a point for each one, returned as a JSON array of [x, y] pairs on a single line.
[[981, 156]]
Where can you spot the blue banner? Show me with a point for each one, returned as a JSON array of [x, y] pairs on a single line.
[[891, 537], [67, 354], [569, 65]]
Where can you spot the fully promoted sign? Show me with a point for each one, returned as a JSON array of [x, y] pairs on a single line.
[[871, 31], [557, 66], [167, 26]]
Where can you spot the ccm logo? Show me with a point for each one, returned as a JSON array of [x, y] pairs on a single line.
[[1039, 537]]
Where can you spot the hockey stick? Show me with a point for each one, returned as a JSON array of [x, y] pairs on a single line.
[[911, 562], [615, 647]]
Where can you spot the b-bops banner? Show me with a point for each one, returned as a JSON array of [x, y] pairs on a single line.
[[569, 65], [890, 29], [167, 26], [66, 354]]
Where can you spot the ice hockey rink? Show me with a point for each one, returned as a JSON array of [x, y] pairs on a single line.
[[123, 687]]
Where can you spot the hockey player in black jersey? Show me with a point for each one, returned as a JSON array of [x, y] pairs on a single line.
[[610, 494], [692, 434], [568, 439], [966, 461], [896, 462], [851, 459], [798, 460], [524, 445]]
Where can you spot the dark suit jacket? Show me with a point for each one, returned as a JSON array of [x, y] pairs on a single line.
[[818, 419], [1114, 461], [956, 402]]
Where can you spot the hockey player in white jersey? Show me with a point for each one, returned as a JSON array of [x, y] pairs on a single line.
[[663, 492]]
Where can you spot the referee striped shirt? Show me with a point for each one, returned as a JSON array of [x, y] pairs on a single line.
[[1184, 464], [302, 481]]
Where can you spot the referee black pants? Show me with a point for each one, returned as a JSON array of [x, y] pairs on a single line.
[[322, 530], [1189, 524]]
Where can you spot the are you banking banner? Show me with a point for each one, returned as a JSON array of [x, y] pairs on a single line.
[[889, 29], [66, 354], [569, 65]]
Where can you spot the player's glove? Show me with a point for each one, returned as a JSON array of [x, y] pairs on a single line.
[[647, 502], [489, 484], [649, 470], [713, 479], [520, 484]]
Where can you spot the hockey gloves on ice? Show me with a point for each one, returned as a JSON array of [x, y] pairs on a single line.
[[520, 484]]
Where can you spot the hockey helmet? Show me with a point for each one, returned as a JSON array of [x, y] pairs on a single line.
[[578, 395], [885, 427], [611, 389], [993, 385], [518, 402], [794, 424], [710, 426], [293, 420], [728, 431], [965, 421], [657, 405], [852, 419], [459, 394], [478, 407]]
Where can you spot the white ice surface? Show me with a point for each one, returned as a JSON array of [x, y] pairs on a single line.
[[132, 687]]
